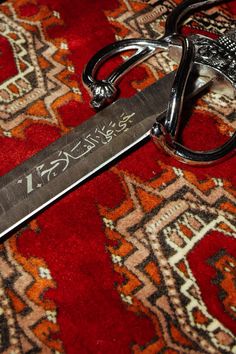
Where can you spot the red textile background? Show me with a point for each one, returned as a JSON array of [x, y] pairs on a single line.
[[91, 316]]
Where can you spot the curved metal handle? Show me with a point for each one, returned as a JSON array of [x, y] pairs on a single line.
[[183, 10], [189, 156], [104, 91], [215, 58], [169, 128]]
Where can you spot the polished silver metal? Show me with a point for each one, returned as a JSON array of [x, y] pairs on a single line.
[[105, 91], [196, 54], [76, 156], [111, 132], [178, 15], [215, 59]]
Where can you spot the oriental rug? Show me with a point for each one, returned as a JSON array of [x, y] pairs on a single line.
[[141, 258]]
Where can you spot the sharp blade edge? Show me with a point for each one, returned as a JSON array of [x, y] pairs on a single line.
[[76, 156]]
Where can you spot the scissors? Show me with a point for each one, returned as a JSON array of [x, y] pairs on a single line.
[[216, 59], [120, 126]]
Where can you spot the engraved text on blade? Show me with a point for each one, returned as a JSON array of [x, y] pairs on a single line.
[[102, 135]]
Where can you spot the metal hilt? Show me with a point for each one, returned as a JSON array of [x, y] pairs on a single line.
[[165, 132], [105, 91], [214, 59], [184, 10]]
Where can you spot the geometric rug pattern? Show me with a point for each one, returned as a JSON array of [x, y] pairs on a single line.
[[174, 245], [170, 265], [37, 79], [27, 319]]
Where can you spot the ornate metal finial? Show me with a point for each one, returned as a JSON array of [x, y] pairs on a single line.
[[219, 55], [228, 41], [102, 92]]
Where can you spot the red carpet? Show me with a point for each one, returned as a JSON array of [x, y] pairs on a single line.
[[142, 258]]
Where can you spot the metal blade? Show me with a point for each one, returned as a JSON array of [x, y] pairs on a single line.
[[71, 159]]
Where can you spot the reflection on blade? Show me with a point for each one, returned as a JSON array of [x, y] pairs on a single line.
[[73, 158]]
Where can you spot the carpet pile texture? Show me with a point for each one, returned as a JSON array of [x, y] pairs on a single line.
[[141, 258]]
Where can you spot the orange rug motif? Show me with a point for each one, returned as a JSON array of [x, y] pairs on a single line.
[[173, 242], [38, 77], [27, 319], [167, 281]]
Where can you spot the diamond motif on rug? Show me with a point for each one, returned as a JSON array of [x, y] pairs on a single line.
[[37, 76], [28, 322], [175, 247]]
